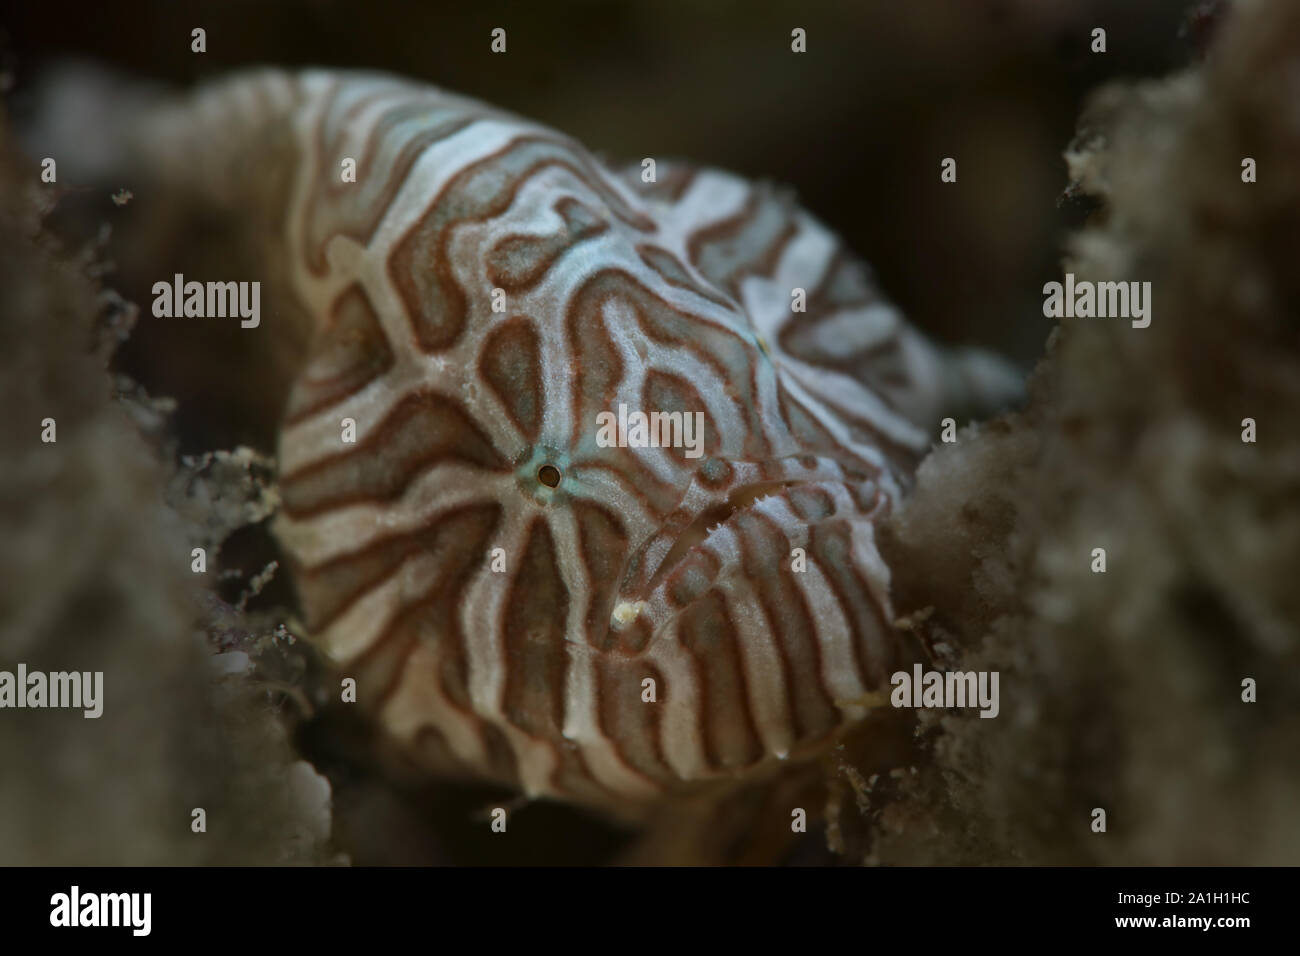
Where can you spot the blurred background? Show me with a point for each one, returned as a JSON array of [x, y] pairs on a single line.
[[857, 125]]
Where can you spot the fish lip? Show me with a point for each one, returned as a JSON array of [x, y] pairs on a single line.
[[663, 547], [711, 519], [709, 522], [688, 542]]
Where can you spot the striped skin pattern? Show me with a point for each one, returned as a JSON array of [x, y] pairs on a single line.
[[640, 562]]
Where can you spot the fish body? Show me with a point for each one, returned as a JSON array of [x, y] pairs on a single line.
[[518, 597]]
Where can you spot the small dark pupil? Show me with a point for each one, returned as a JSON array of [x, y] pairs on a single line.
[[549, 475]]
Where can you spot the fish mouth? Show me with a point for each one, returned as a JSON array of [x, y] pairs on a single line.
[[704, 512], [739, 501]]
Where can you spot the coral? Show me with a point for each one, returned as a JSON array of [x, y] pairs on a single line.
[[1119, 690], [1123, 690], [97, 577]]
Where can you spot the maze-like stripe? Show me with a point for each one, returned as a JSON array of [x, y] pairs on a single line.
[[528, 664]]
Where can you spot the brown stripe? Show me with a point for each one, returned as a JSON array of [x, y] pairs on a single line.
[[766, 559], [707, 634], [379, 670], [573, 777], [672, 179], [731, 355], [502, 764], [656, 496], [517, 262], [457, 540], [671, 270], [348, 353], [420, 265], [810, 434], [356, 209], [423, 429], [457, 546], [631, 723], [603, 545], [511, 364], [536, 658], [749, 243], [692, 578], [811, 504], [831, 546], [666, 392]]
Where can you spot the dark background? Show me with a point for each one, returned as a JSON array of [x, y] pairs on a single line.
[[857, 125]]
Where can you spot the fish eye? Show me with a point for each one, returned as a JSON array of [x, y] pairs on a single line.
[[548, 475]]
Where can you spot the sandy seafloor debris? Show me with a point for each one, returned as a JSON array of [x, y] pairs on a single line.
[[1119, 690], [96, 573], [1123, 690]]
